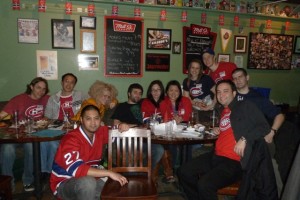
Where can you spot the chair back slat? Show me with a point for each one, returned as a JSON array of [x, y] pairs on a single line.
[[129, 148]]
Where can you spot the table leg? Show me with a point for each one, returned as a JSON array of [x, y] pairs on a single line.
[[37, 169]]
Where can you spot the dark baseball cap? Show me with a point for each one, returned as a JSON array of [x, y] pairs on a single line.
[[209, 51]]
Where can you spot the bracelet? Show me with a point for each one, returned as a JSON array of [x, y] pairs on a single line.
[[275, 131], [243, 139]]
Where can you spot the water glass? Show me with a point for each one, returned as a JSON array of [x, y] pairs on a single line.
[[29, 125], [169, 129], [16, 118]]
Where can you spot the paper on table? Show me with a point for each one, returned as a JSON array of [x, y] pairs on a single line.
[[159, 129]]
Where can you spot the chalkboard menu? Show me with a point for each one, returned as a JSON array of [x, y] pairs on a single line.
[[195, 40], [123, 46]]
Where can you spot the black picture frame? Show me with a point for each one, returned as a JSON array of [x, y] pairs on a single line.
[[268, 51], [297, 45], [176, 47], [63, 34], [157, 62], [240, 44], [159, 38], [87, 22]]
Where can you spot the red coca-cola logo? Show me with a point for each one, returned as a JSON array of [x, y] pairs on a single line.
[[120, 26]]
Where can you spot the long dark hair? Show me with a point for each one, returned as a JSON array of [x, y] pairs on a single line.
[[189, 71], [34, 82], [176, 83], [162, 94]]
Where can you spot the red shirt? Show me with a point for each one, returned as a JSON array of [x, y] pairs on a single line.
[[26, 106], [184, 108], [226, 141], [223, 72], [148, 108], [65, 107]]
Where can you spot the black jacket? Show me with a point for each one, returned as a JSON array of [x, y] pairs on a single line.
[[259, 181]]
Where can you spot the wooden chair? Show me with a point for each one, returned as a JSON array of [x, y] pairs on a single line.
[[231, 190], [5, 187], [128, 160]]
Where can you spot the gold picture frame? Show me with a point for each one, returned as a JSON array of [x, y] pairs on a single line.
[[87, 41]]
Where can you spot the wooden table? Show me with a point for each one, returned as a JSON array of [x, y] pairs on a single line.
[[183, 142], [17, 135]]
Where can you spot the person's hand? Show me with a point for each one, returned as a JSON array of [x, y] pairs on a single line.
[[118, 177], [239, 147], [112, 105], [123, 127], [269, 137], [177, 118], [216, 130]]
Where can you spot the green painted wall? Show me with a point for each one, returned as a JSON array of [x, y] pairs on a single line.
[[18, 60]]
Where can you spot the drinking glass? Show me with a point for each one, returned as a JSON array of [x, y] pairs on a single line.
[[16, 118]]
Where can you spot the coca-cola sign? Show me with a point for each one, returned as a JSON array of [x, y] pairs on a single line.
[[120, 26]]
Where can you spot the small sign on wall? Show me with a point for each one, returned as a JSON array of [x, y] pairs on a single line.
[[157, 62]]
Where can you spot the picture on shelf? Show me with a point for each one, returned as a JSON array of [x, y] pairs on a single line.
[[270, 51]]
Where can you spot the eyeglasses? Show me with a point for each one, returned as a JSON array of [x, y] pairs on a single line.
[[157, 90]]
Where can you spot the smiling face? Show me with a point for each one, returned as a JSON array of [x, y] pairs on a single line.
[[225, 94], [173, 92], [208, 59], [68, 85], [156, 92], [135, 96], [38, 90], [194, 70]]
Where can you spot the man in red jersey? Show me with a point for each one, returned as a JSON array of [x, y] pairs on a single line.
[[217, 71], [76, 173], [241, 123]]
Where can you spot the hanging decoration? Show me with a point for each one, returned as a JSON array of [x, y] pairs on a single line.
[[137, 12], [236, 20], [269, 24], [68, 8], [163, 15], [184, 16], [115, 10], [91, 10], [221, 20], [42, 5], [16, 4], [252, 22], [287, 25], [203, 18]]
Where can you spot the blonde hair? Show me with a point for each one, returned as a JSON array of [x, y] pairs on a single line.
[[97, 89]]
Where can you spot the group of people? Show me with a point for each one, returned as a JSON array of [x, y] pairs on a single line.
[[74, 161]]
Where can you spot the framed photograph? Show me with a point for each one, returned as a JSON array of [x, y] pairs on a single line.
[[297, 45], [240, 44], [176, 47], [28, 31], [268, 51], [223, 57], [88, 62], [87, 41], [63, 34], [159, 39], [87, 22]]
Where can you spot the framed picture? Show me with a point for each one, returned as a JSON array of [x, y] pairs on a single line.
[[240, 44], [28, 31], [268, 51], [297, 45], [157, 62], [223, 57], [63, 34], [88, 62], [87, 22], [176, 47], [87, 41], [159, 39]]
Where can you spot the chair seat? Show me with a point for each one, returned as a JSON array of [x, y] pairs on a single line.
[[230, 190], [138, 187]]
